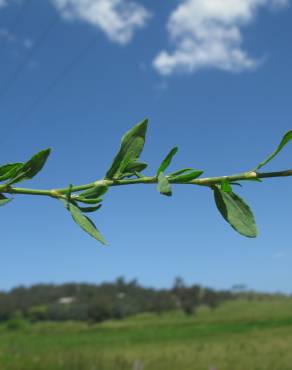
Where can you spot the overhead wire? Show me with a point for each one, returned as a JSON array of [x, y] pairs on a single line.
[[53, 84], [37, 45], [16, 20]]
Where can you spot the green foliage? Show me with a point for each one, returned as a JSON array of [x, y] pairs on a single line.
[[167, 160], [4, 200], [239, 335], [285, 140], [16, 324], [9, 170], [236, 212], [92, 196], [126, 169], [187, 175], [29, 169], [94, 193], [134, 168], [84, 222], [131, 147], [109, 300]]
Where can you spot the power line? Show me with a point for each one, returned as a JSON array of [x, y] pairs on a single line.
[[16, 20], [14, 77], [25, 5], [59, 78]]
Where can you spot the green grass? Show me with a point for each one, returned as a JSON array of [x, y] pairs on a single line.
[[239, 335]]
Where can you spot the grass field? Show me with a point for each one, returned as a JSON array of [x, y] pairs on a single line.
[[239, 335]]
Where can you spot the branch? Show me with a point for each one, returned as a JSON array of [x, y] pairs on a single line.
[[126, 170]]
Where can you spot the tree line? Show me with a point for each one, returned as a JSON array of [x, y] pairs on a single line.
[[96, 303]]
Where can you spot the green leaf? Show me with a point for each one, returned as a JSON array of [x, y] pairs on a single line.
[[136, 167], [89, 209], [9, 170], [167, 160], [236, 212], [4, 200], [88, 201], [163, 185], [179, 172], [31, 167], [188, 176], [95, 192], [225, 186], [285, 140], [131, 147], [84, 222]]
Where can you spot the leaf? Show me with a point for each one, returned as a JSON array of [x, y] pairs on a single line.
[[167, 160], [225, 186], [179, 172], [285, 140], [191, 175], [136, 167], [163, 185], [89, 209], [4, 200], [31, 167], [9, 170], [95, 192], [84, 222], [236, 212], [131, 147], [88, 201]]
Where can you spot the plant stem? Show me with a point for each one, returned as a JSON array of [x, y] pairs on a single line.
[[207, 181]]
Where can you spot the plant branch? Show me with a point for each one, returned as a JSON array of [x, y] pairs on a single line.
[[207, 181], [126, 169]]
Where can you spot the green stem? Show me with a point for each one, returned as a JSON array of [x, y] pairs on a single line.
[[207, 181]]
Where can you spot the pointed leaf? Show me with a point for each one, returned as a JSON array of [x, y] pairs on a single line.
[[31, 167], [179, 172], [131, 147], [163, 185], [4, 200], [236, 212], [95, 192], [285, 140], [189, 176], [87, 200], [89, 209], [167, 160], [84, 222], [136, 167], [9, 170]]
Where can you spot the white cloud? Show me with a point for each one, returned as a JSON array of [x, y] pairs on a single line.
[[207, 34], [118, 19], [2, 3]]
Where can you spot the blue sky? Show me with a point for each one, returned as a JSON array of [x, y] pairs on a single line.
[[214, 77]]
